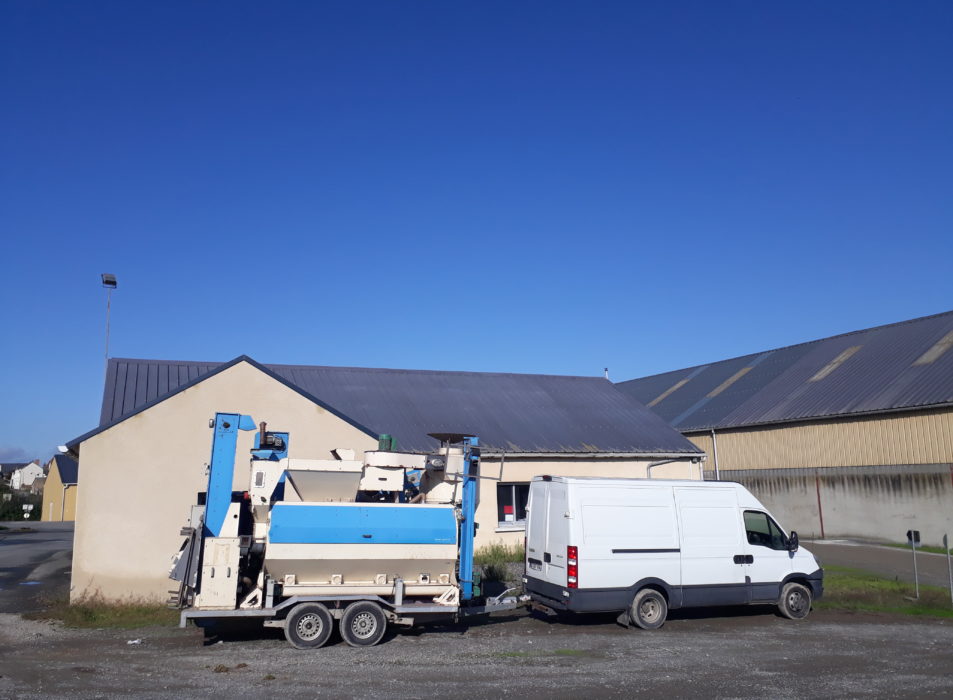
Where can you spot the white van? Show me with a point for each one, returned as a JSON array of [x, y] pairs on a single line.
[[645, 546]]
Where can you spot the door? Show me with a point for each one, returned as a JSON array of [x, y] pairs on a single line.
[[769, 560], [557, 535], [536, 518], [712, 544]]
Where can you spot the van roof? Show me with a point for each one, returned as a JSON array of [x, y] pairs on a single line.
[[629, 481]]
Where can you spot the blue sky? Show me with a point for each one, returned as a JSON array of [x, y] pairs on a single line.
[[495, 186]]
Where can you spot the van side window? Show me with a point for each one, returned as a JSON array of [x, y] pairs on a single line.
[[763, 531], [511, 504]]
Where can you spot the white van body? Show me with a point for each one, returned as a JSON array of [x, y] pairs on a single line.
[[698, 543]]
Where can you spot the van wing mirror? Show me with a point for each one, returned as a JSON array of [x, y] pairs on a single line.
[[792, 542]]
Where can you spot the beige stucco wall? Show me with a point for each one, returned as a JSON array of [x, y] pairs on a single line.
[[53, 498], [141, 476], [901, 438], [522, 470]]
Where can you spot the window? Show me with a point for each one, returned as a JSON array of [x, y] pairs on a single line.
[[511, 503], [763, 531]]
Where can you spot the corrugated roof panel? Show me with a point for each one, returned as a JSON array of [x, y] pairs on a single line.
[[511, 412], [884, 374]]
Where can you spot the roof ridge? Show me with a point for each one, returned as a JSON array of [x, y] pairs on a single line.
[[792, 345], [363, 369]]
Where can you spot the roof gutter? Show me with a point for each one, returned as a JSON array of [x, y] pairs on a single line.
[[670, 456]]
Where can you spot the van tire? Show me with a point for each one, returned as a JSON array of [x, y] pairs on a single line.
[[308, 626], [648, 609], [795, 602]]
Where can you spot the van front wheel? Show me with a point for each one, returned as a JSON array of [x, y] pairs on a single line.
[[649, 609], [795, 601]]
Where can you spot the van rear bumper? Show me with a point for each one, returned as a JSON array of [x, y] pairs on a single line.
[[576, 600]]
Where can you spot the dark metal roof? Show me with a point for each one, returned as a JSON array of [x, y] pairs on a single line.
[[68, 469], [9, 467], [901, 366], [525, 413]]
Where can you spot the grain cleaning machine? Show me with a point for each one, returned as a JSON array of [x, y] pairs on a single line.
[[305, 544]]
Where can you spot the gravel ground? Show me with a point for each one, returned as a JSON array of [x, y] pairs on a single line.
[[718, 654]]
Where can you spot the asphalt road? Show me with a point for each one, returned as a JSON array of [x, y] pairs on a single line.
[[890, 562], [33, 565]]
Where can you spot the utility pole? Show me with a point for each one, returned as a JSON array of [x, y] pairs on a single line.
[[109, 282]]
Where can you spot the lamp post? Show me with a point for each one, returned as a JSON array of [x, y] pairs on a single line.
[[109, 282]]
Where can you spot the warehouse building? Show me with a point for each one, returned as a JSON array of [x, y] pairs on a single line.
[[845, 436], [145, 463]]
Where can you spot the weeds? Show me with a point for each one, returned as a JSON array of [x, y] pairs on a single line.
[[494, 558], [925, 548], [95, 612], [859, 591]]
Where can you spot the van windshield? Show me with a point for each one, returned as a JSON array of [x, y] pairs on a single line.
[[763, 531]]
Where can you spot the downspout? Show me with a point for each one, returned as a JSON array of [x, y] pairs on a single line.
[[648, 469], [63, 503], [714, 450]]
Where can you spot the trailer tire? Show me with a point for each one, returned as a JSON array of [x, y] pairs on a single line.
[[363, 624], [308, 626], [648, 609], [795, 602]]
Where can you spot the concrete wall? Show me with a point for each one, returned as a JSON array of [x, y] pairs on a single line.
[[57, 504], [859, 502], [916, 437], [522, 470], [141, 476]]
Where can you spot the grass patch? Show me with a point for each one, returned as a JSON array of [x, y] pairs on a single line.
[[96, 613], [859, 591], [494, 558], [926, 548]]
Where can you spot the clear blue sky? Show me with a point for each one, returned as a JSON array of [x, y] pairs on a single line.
[[520, 187]]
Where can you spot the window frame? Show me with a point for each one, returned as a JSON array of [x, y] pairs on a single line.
[[517, 523], [783, 537]]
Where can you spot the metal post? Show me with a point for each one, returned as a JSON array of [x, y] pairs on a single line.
[[949, 565], [916, 578], [109, 296], [714, 450]]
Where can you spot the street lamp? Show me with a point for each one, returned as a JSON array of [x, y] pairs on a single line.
[[109, 282]]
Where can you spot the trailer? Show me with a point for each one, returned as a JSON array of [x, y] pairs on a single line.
[[313, 544]]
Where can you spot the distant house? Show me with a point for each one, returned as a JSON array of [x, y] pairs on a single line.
[[24, 476], [7, 469], [59, 494]]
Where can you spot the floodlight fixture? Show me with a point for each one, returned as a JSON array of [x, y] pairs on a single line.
[[109, 281]]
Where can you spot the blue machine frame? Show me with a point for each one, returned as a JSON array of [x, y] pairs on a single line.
[[222, 468], [471, 469]]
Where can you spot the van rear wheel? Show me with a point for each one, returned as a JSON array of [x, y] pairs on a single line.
[[648, 609], [795, 601]]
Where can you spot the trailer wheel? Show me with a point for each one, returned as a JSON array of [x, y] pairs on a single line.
[[363, 624], [308, 626], [648, 609], [795, 602]]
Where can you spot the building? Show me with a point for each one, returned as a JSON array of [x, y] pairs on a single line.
[[845, 436], [59, 493], [145, 463], [24, 476], [7, 469]]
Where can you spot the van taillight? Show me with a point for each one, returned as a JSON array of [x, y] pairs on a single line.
[[572, 567]]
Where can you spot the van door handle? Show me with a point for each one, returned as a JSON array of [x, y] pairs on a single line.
[[546, 557], [744, 559]]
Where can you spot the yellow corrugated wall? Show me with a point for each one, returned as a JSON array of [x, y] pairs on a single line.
[[900, 438]]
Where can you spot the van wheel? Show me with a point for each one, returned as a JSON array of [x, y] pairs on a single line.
[[795, 601], [649, 609], [308, 626], [363, 624]]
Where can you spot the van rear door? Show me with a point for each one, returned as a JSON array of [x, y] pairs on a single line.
[[546, 532], [714, 551]]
